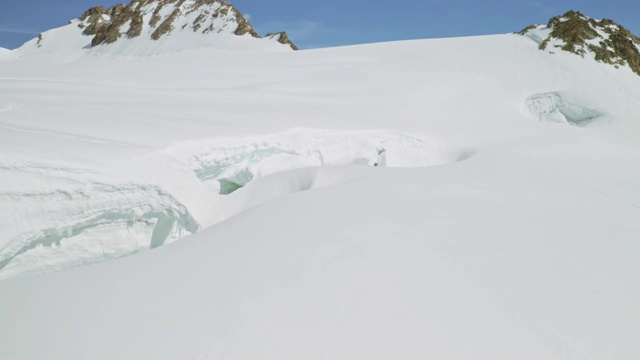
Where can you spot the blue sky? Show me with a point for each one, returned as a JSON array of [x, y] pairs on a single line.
[[330, 22]]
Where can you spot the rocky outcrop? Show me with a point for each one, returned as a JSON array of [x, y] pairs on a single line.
[[282, 38], [160, 18], [573, 32]]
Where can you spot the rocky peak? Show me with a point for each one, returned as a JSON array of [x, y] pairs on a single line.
[[606, 41], [162, 18], [282, 38]]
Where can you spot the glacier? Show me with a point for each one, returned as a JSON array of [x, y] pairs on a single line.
[[83, 221], [450, 198]]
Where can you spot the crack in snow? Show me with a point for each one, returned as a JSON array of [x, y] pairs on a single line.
[[78, 217], [555, 107], [226, 166], [151, 215]]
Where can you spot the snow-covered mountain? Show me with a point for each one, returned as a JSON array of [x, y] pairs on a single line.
[[602, 40], [146, 27], [465, 198]]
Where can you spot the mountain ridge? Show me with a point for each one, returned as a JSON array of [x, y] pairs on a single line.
[[608, 42], [162, 25]]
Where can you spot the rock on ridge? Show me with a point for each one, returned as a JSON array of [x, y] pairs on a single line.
[[606, 41], [161, 18], [282, 38]]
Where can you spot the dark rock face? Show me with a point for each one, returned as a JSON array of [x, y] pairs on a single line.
[[159, 18], [576, 33]]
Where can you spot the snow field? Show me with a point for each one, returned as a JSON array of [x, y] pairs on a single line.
[[527, 249]]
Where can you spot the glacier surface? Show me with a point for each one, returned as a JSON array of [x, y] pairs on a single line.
[[379, 201]]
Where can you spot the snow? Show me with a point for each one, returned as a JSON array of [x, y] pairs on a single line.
[[239, 161], [362, 269], [538, 34], [69, 42], [541, 34], [417, 199], [6, 54], [556, 108]]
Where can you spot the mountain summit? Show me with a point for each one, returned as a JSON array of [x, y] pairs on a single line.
[[604, 40], [152, 26]]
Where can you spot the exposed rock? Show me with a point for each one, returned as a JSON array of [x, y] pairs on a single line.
[[576, 33], [155, 18], [135, 29], [282, 38], [159, 18], [93, 13], [93, 20], [526, 30], [167, 25], [107, 34], [244, 27]]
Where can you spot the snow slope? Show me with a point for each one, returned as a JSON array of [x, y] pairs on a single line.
[[491, 258], [173, 132], [454, 199], [6, 54]]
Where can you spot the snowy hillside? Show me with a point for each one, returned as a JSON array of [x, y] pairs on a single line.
[[149, 27], [6, 54], [467, 198], [602, 40]]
